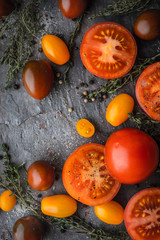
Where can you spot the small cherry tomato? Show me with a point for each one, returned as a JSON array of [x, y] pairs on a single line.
[[40, 175], [72, 8], [111, 213], [6, 7], [118, 109], [131, 155], [7, 201], [108, 50], [55, 49], [85, 128], [28, 228], [38, 78], [148, 91], [147, 25], [59, 206], [142, 215]]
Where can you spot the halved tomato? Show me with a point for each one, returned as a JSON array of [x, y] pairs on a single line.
[[108, 50], [142, 215], [148, 91], [86, 178]]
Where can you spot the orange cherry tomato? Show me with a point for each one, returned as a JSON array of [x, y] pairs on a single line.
[[40, 175], [55, 49], [38, 78], [118, 109], [59, 206], [85, 128], [6, 7], [7, 202], [111, 213]]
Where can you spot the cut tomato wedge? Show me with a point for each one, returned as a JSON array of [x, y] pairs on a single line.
[[108, 50], [86, 178], [148, 91], [142, 215]]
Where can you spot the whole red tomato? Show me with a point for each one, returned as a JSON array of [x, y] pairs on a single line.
[[131, 155], [28, 228], [38, 78], [6, 7], [72, 8], [40, 175]]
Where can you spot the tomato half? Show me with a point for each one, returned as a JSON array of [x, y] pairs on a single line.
[[108, 50], [131, 155], [86, 177], [142, 215], [148, 91]]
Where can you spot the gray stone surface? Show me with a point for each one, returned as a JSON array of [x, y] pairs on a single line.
[[35, 130]]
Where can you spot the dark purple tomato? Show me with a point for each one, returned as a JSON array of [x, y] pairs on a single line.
[[147, 25], [38, 78], [28, 228], [6, 7], [72, 8]]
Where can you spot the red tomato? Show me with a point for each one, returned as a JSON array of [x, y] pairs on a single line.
[[142, 215], [6, 7], [131, 155], [108, 50], [72, 8], [38, 78], [40, 175], [86, 177], [148, 91]]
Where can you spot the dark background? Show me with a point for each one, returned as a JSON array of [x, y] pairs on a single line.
[[35, 130]]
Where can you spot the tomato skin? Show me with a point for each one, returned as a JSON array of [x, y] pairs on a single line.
[[118, 109], [141, 215], [147, 91], [38, 78], [55, 49], [131, 155], [147, 24], [108, 50], [85, 128], [40, 175], [6, 7], [28, 228], [86, 178], [72, 8], [111, 213], [59, 206], [7, 202]]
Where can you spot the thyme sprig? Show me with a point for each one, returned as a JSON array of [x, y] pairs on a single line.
[[113, 85], [122, 7], [11, 179], [26, 25], [71, 46]]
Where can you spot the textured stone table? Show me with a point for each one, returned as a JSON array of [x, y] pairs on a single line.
[[35, 130]]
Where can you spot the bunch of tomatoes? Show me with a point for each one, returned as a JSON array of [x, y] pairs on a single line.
[[93, 173]]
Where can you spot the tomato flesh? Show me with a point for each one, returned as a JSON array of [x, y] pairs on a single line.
[[148, 91], [108, 50], [86, 177], [142, 215]]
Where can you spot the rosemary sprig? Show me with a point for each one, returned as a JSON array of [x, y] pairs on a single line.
[[26, 24], [114, 84], [122, 7], [11, 179], [71, 46]]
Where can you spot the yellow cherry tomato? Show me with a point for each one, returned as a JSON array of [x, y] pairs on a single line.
[[85, 128], [55, 49], [111, 213], [7, 202], [118, 109], [59, 206]]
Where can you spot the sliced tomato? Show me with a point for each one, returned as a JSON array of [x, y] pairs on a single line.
[[108, 50], [148, 91], [142, 215], [86, 177]]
